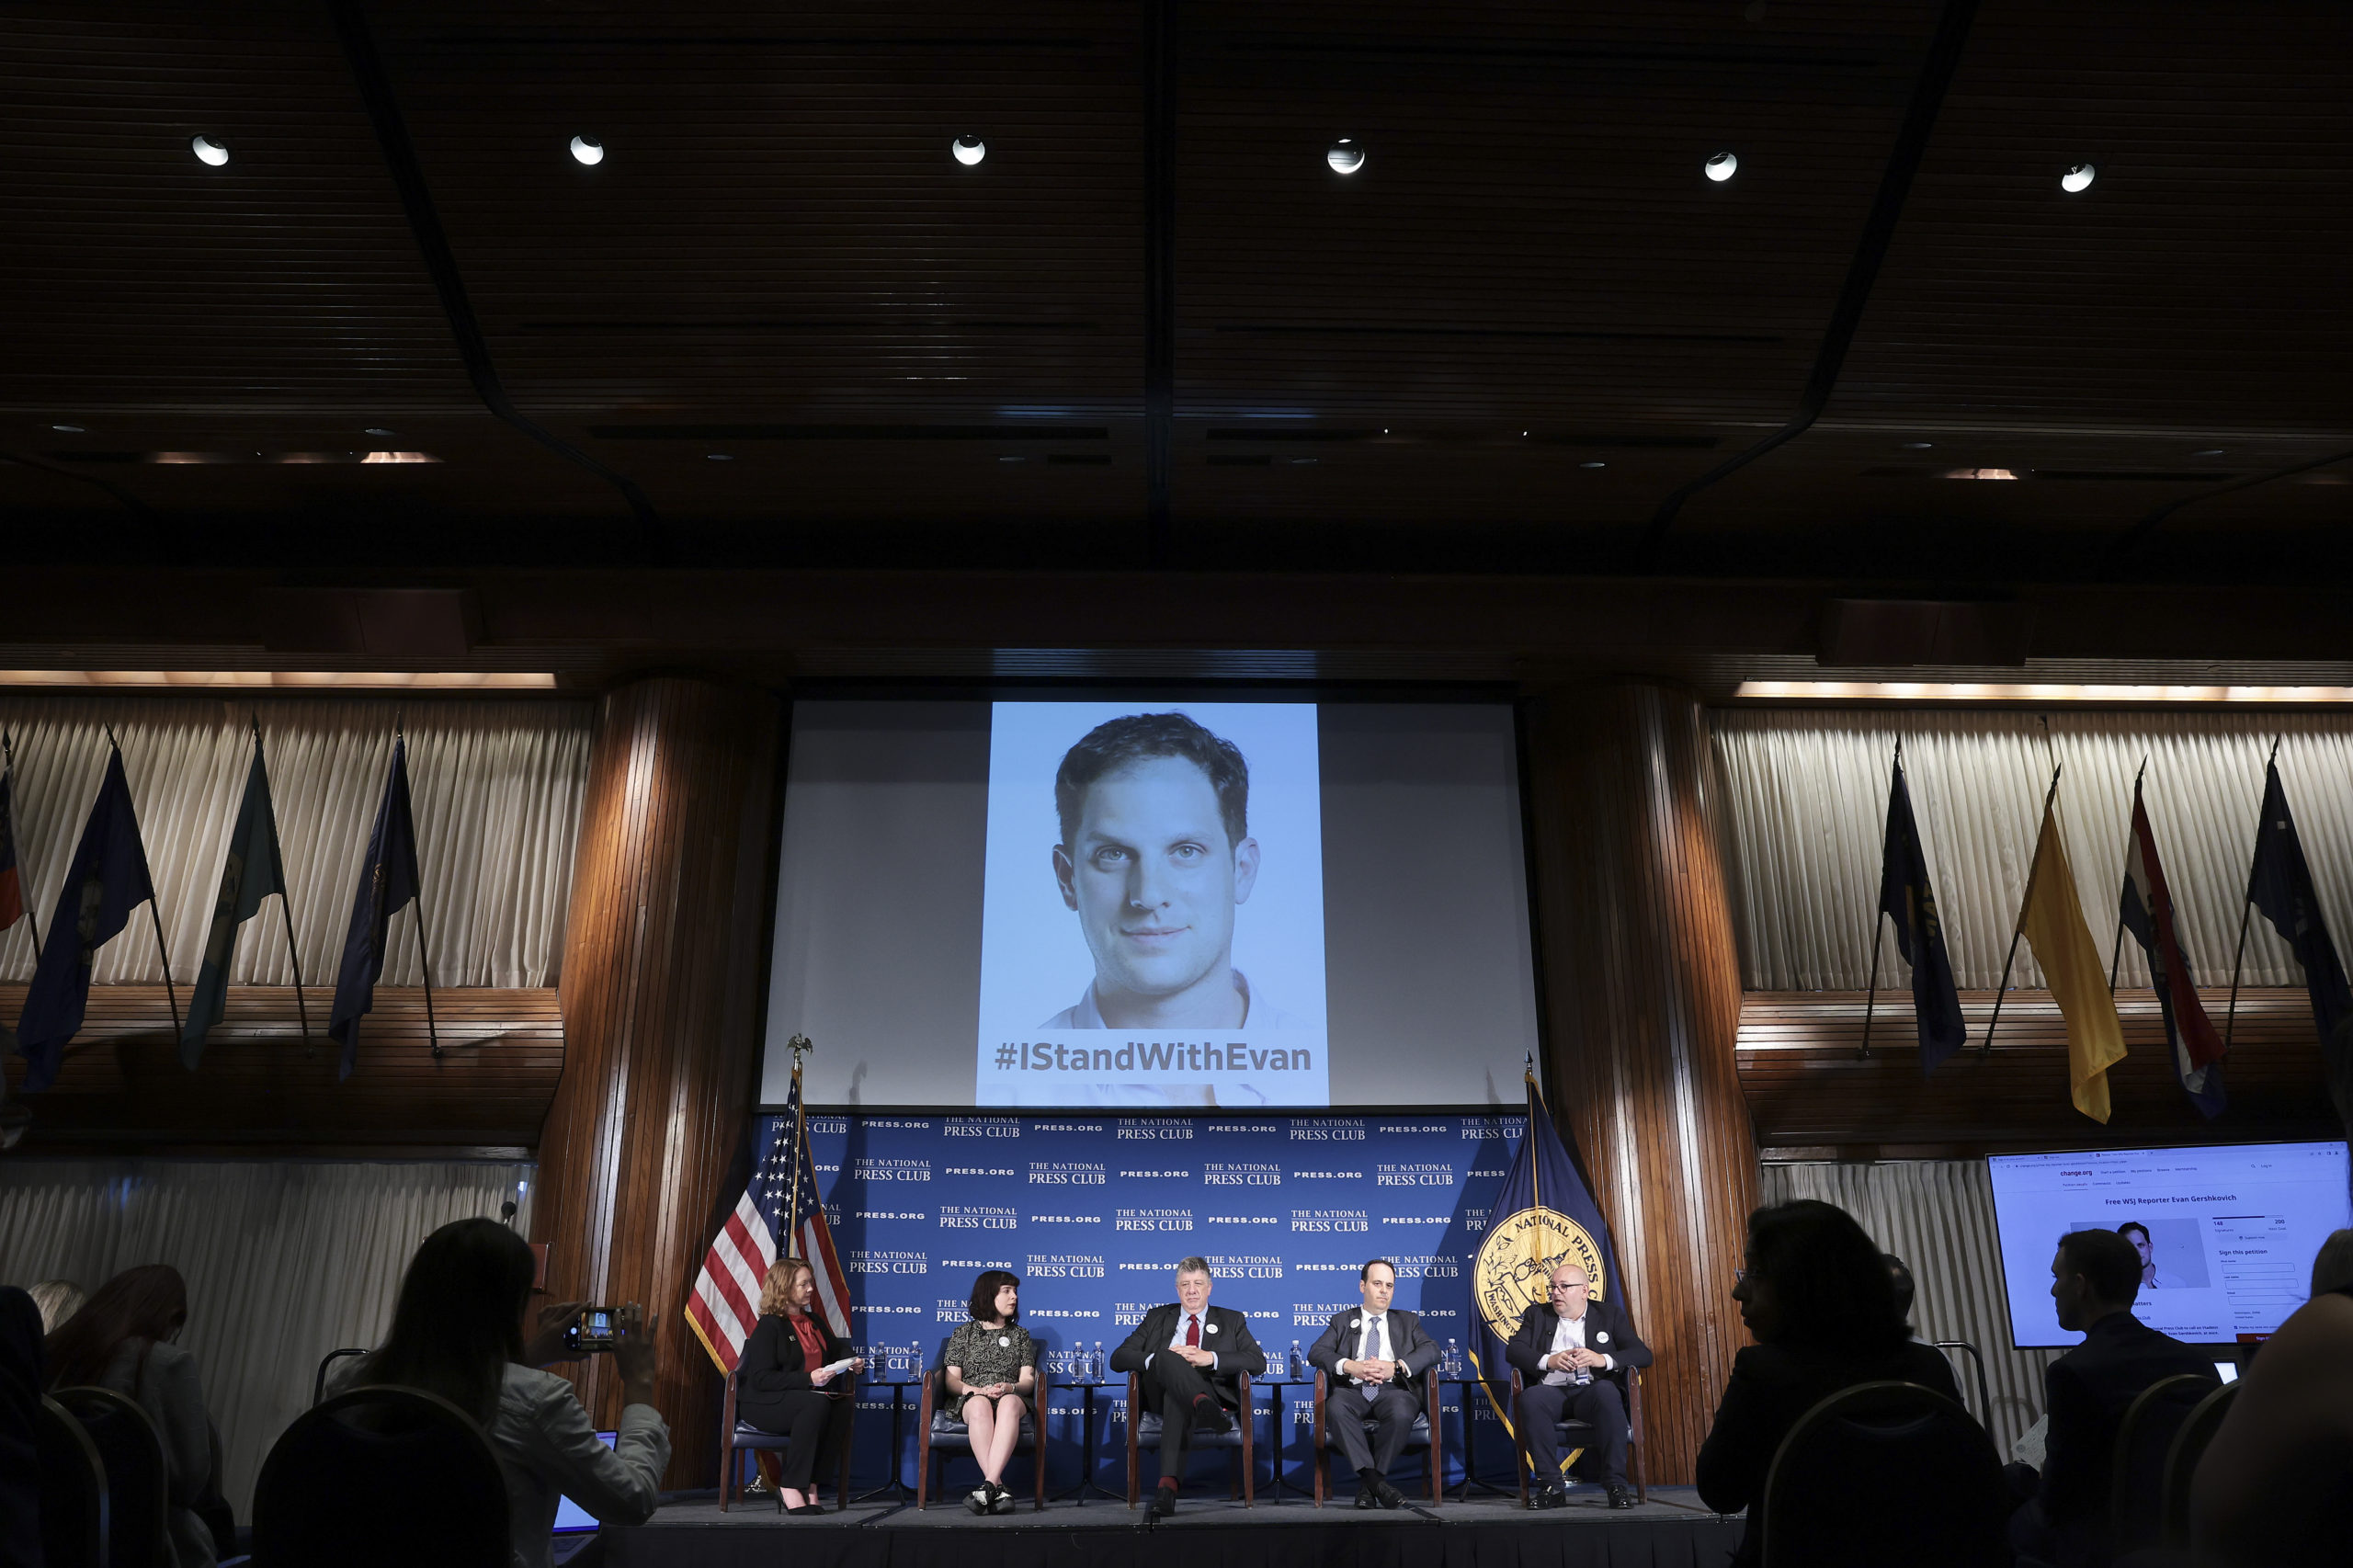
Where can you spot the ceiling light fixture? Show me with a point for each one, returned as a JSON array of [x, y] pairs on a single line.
[[399, 680], [2209, 452], [379, 430], [2079, 178], [1918, 446], [2036, 691], [587, 151], [970, 149], [67, 429], [1980, 473], [1593, 465], [1723, 167], [719, 457], [1346, 155], [211, 154]]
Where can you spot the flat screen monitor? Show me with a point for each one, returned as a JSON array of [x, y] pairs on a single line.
[[571, 1518], [1074, 900], [2226, 1232]]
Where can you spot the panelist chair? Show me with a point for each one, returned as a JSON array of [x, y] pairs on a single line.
[[737, 1438], [1143, 1432], [1576, 1435], [130, 1449], [1885, 1473], [2197, 1429], [1418, 1437], [940, 1432], [2143, 1438]]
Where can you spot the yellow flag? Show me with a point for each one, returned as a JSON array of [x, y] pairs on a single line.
[[2053, 923]]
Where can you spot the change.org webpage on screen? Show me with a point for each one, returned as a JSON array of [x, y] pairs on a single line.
[[1153, 903], [2226, 1235]]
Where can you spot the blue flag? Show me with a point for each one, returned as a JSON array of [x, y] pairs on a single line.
[[250, 873], [107, 880], [1906, 899], [1543, 1217], [387, 882], [2281, 885]]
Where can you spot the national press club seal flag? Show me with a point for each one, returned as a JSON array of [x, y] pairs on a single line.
[[1543, 1217], [782, 1202]]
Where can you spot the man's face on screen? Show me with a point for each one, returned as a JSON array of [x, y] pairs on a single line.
[[1155, 881]]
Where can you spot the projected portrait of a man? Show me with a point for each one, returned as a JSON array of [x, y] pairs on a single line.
[[1155, 857]]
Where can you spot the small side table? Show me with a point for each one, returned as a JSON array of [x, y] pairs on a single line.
[[1285, 1427], [1086, 1481], [896, 1488], [1471, 1443]]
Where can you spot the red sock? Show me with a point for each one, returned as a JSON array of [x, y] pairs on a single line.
[[1169, 1482]]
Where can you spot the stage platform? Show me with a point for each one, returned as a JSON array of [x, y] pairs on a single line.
[[1672, 1530]]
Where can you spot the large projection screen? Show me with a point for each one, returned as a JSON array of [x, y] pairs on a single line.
[[1072, 901]]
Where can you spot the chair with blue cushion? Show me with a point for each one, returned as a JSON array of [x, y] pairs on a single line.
[[1143, 1432], [1576, 1435], [940, 1432], [739, 1438], [1417, 1439]]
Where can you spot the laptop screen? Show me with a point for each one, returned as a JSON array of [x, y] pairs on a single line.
[[571, 1518]]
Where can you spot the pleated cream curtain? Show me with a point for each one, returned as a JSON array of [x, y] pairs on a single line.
[[285, 1260], [1938, 1216], [1806, 792], [496, 790]]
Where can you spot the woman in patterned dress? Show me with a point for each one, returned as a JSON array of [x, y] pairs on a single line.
[[991, 1366]]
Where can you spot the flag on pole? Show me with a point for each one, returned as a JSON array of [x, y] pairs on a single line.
[[2148, 915], [12, 886], [106, 881], [250, 873], [1906, 899], [2281, 885], [387, 882], [2053, 922], [1542, 1218]]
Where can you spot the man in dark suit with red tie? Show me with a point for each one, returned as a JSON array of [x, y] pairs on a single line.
[[1188, 1357], [1575, 1355]]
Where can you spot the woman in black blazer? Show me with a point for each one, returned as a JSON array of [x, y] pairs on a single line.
[[786, 1382]]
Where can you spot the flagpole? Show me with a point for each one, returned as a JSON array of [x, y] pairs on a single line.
[[2020, 929], [2231, 1018], [9, 771], [2118, 956], [1535, 1104], [154, 915], [1879, 925], [799, 1046], [285, 898]]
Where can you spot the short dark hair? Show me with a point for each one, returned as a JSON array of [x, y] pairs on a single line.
[[1899, 1274], [982, 1306], [2106, 1260], [1366, 1272], [1828, 1277], [2134, 1225], [1140, 737]]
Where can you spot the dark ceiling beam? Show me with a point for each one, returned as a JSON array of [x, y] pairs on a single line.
[[1936, 70], [2139, 532], [441, 262], [1159, 270], [166, 544]]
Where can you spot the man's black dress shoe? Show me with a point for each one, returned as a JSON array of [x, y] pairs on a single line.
[[1387, 1496], [1620, 1498], [1163, 1505], [1551, 1497], [1365, 1498], [1209, 1416]]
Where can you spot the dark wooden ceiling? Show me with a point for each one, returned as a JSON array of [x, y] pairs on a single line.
[[780, 325]]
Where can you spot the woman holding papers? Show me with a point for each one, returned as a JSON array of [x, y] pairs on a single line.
[[793, 1381]]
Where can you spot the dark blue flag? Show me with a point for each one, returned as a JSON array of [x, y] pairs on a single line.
[[106, 881], [387, 882], [2281, 885], [1906, 899], [1543, 1217]]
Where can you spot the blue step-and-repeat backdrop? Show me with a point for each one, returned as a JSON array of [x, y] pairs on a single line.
[[1093, 1211]]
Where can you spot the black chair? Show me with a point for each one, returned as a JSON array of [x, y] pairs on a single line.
[[1143, 1432], [72, 1491], [2197, 1429], [2143, 1438], [1416, 1440], [940, 1432], [1576, 1434], [137, 1475], [319, 1380], [323, 1489], [1885, 1473], [737, 1438]]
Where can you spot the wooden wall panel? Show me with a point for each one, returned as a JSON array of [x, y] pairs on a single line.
[[1808, 1090], [660, 982], [262, 1089], [1642, 1000]]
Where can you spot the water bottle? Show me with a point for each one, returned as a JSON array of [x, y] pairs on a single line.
[[1453, 1359], [1097, 1368], [1298, 1362]]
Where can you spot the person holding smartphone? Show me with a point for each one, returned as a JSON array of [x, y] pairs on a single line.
[[793, 1380]]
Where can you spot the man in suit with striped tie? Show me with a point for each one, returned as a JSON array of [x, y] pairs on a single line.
[[1188, 1357], [1375, 1359]]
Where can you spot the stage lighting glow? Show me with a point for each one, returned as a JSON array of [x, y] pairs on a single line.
[[1346, 156], [2077, 179], [588, 150], [1723, 167], [2028, 691], [970, 149], [209, 152]]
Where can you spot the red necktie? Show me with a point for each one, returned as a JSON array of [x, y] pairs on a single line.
[[1192, 1332]]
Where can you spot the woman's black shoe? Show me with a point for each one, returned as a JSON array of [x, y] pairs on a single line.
[[808, 1509]]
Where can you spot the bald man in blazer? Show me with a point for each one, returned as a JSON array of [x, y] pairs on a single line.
[[1189, 1357], [1374, 1354], [1575, 1355]]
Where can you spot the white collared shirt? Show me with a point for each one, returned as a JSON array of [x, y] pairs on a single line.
[[1568, 1333]]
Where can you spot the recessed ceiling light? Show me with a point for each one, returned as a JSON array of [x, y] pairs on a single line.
[[377, 430], [2209, 452], [970, 149], [1723, 167], [209, 152], [1593, 465], [67, 429], [2077, 179], [1917, 446], [719, 457], [1346, 155], [588, 150]]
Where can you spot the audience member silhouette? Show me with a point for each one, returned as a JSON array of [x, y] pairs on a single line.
[[1817, 1294], [21, 1378], [58, 1299], [2274, 1489]]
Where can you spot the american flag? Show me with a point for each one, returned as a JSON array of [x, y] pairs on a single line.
[[725, 1305]]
